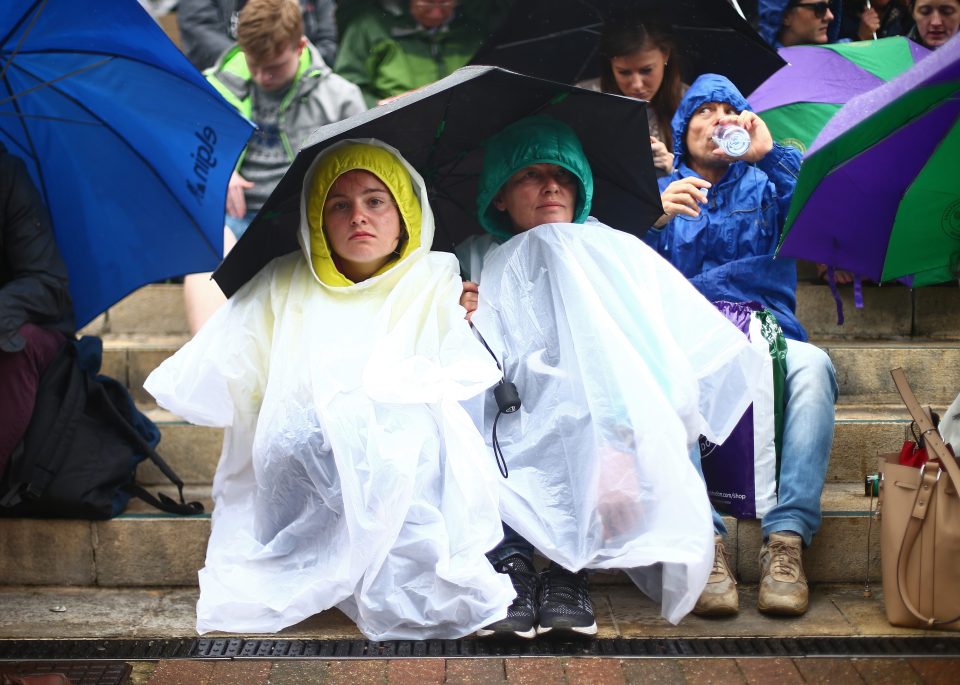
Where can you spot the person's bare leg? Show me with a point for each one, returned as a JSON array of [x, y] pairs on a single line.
[[201, 294]]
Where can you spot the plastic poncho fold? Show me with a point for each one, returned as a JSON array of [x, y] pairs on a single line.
[[350, 475], [621, 365]]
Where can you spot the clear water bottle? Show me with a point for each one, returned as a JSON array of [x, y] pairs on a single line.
[[732, 139]]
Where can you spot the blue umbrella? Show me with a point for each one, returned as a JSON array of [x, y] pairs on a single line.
[[129, 145]]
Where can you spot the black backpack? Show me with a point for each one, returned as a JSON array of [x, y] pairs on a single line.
[[79, 456]]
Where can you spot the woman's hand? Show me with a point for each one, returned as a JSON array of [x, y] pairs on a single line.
[[840, 277], [869, 24], [469, 297], [662, 157], [619, 499]]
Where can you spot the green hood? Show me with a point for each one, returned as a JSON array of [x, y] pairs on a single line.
[[533, 140]]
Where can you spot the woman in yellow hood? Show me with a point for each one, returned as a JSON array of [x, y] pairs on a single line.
[[363, 214], [350, 475]]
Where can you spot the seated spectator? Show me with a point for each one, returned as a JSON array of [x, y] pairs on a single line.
[[350, 474], [784, 23], [935, 21], [276, 78], [639, 59], [619, 363], [35, 312], [399, 47], [723, 219], [208, 28], [882, 19]]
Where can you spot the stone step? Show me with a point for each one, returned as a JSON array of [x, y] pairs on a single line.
[[131, 358], [863, 370], [861, 432], [143, 549], [863, 367], [889, 312], [152, 310], [621, 610]]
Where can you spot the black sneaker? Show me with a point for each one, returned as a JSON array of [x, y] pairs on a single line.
[[565, 603], [521, 617]]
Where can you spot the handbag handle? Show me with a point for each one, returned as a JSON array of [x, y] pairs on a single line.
[[929, 475]]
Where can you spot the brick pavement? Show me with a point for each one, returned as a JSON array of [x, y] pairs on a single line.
[[552, 671]]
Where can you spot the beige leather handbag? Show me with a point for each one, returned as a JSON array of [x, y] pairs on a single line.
[[919, 511]]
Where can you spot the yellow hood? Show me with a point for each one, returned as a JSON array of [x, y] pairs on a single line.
[[404, 183]]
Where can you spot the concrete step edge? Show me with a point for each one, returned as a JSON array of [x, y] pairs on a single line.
[[156, 549]]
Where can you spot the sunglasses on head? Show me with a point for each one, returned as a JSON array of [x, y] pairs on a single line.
[[819, 9]]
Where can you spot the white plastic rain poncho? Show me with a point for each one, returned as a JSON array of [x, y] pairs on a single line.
[[350, 474], [620, 364]]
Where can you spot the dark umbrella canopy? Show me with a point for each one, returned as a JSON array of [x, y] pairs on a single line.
[[129, 146], [440, 130], [560, 40]]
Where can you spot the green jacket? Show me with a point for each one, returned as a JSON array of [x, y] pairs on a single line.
[[316, 97], [388, 54]]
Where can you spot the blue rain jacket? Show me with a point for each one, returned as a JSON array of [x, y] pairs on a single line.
[[727, 251], [770, 20]]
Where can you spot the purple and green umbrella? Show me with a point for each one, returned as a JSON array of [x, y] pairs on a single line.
[[800, 98], [879, 189]]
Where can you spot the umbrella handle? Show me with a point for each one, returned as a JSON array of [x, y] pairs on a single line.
[[870, 7]]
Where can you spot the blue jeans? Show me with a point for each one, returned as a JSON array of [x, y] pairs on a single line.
[[809, 395], [238, 226], [511, 544]]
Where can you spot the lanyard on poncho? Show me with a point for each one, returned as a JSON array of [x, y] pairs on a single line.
[[508, 401]]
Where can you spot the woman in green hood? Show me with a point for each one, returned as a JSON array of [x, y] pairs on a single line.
[[350, 474], [620, 365]]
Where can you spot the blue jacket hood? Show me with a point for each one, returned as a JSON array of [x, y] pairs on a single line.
[[770, 13], [707, 88]]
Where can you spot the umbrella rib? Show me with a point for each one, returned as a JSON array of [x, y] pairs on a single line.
[[39, 117], [705, 29], [33, 21], [31, 151], [216, 97], [590, 28], [12, 143], [586, 63], [162, 181], [44, 84]]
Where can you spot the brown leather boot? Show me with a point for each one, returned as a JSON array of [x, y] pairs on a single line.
[[783, 584], [719, 597]]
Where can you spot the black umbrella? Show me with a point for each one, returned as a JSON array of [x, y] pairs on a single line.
[[560, 40], [440, 130]]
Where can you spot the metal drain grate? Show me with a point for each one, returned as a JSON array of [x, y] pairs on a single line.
[[272, 649], [77, 672], [113, 650]]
